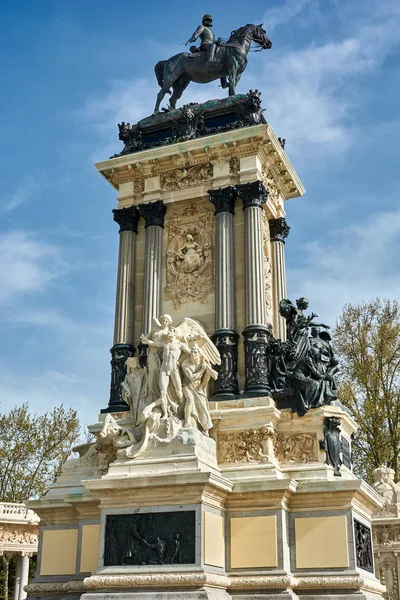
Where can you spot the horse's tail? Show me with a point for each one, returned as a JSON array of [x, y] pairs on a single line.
[[159, 71]]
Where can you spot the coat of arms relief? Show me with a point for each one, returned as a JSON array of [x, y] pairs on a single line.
[[190, 264]]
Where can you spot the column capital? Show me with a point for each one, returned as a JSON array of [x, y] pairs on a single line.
[[153, 213], [127, 218], [252, 194], [223, 199], [278, 230]]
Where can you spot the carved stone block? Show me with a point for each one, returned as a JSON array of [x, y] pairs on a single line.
[[190, 265]]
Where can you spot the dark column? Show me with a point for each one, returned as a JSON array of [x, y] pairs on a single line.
[[127, 219], [278, 230], [256, 334], [225, 336]]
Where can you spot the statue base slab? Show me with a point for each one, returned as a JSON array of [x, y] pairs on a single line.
[[189, 451]]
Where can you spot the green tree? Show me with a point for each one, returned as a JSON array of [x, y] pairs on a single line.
[[32, 450], [367, 341]]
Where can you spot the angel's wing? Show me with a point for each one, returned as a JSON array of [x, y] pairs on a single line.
[[193, 332], [156, 325]]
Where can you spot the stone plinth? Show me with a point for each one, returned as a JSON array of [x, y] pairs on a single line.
[[257, 510]]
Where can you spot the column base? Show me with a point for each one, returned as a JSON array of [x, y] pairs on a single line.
[[226, 386], [119, 354], [256, 340]]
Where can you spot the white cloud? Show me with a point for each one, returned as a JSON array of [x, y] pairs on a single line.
[[352, 264], [278, 15], [27, 264], [24, 192], [312, 92]]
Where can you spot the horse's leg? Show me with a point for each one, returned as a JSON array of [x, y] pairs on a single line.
[[224, 83], [164, 90], [232, 82], [179, 87]]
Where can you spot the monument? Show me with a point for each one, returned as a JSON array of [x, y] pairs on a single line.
[[222, 462]]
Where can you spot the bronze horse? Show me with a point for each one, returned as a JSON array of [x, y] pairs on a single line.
[[230, 61]]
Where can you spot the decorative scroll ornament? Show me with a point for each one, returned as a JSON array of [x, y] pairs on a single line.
[[253, 445], [190, 265], [298, 447], [270, 186], [182, 178]]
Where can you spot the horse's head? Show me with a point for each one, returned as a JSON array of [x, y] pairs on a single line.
[[259, 36]]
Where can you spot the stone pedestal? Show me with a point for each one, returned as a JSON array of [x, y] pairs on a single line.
[[253, 512]]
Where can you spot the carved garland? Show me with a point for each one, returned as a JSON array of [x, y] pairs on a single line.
[[267, 266], [182, 178], [190, 265]]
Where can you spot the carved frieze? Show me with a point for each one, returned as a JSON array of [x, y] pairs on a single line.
[[190, 265], [251, 446], [264, 445], [296, 447], [186, 177], [18, 534]]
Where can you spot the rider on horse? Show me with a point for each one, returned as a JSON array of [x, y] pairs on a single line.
[[207, 37]]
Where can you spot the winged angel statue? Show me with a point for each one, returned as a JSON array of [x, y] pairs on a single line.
[[170, 393]]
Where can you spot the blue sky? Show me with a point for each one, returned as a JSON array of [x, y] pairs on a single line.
[[72, 69]]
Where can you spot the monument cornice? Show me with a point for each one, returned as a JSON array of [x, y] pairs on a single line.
[[258, 139]]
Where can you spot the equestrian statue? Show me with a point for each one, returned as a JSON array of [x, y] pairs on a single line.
[[212, 60]]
